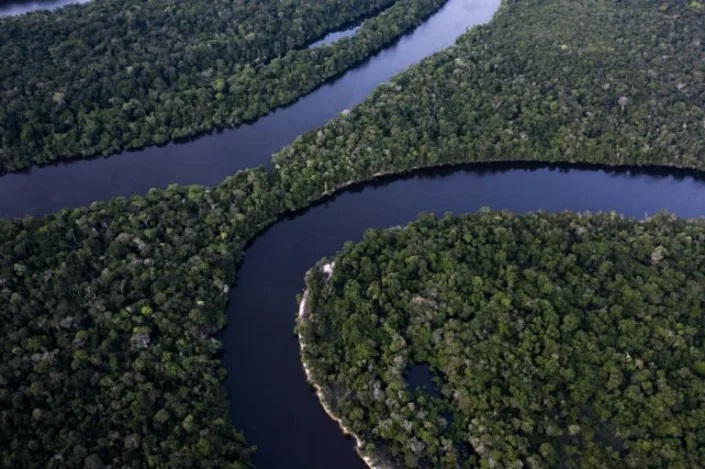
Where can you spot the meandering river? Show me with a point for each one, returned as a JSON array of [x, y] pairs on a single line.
[[211, 158], [270, 399]]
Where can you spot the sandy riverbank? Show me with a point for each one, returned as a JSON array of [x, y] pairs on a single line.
[[302, 316]]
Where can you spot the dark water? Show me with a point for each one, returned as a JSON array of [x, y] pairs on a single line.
[[419, 377], [211, 158], [19, 7], [330, 38], [270, 398]]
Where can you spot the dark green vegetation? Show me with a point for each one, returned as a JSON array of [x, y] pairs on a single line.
[[548, 80], [124, 74], [81, 291], [108, 316], [558, 341]]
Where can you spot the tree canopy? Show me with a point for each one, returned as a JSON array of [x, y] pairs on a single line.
[[107, 350], [556, 340], [606, 82], [108, 314], [119, 74]]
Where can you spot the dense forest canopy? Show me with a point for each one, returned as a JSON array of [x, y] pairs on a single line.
[[548, 80], [119, 74], [108, 312], [557, 340]]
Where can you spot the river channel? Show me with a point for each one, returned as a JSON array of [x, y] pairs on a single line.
[[270, 399], [20, 7], [210, 158]]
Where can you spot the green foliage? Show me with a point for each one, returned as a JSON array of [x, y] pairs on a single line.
[[120, 75], [107, 355], [574, 349], [699, 368], [617, 83], [107, 322]]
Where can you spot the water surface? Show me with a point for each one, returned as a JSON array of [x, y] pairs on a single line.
[[20, 7], [270, 399], [335, 36], [211, 158], [419, 377]]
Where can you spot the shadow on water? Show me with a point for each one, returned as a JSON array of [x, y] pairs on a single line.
[[491, 168], [270, 398]]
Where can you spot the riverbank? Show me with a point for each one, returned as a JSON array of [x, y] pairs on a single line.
[[99, 281], [240, 83], [490, 99], [303, 315], [289, 420], [210, 159], [526, 285]]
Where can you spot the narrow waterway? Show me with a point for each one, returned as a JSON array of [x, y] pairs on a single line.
[[335, 36], [270, 399], [211, 158], [20, 7]]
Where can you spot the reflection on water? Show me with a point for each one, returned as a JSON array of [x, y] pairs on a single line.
[[210, 158]]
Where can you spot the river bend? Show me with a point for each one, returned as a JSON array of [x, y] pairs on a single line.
[[270, 398]]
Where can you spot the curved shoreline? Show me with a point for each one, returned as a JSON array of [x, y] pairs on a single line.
[[508, 164], [490, 166], [302, 315], [330, 354], [278, 256]]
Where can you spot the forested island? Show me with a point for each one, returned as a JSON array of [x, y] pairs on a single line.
[[556, 340], [115, 75], [109, 312]]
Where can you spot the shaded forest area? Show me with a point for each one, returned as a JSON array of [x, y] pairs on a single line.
[[109, 311], [117, 75], [557, 340]]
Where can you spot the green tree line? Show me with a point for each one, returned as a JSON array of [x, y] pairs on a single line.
[[557, 340], [614, 83], [118, 75], [109, 311]]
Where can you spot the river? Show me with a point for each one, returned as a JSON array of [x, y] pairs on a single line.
[[210, 158], [270, 399], [13, 8]]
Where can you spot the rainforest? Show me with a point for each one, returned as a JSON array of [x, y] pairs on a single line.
[[121, 75], [111, 313], [556, 340]]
